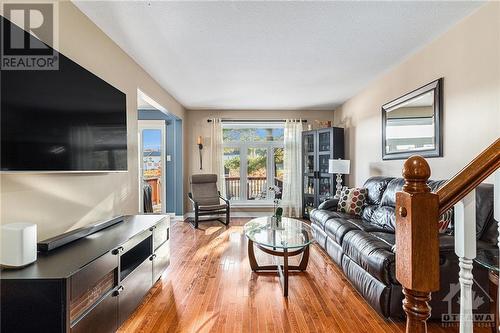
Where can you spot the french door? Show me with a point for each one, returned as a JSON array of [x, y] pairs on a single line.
[[251, 168]]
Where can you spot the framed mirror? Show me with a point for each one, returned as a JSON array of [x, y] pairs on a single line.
[[412, 124]]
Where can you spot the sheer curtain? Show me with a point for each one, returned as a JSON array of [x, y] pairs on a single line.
[[292, 191], [217, 151]]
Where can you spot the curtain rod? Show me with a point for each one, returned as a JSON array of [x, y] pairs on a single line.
[[254, 120]]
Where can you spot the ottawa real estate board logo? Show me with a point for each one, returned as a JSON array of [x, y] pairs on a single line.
[[29, 36]]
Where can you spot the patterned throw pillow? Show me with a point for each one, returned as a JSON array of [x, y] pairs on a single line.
[[352, 200], [445, 220]]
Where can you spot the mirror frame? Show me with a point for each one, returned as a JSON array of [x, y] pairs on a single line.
[[437, 87]]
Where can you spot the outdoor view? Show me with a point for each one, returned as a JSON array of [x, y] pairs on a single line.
[[151, 147], [260, 146]]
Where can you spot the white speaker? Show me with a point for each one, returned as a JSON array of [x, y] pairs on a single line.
[[18, 244]]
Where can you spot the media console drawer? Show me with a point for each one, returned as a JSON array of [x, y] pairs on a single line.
[[88, 277], [103, 318], [160, 232]]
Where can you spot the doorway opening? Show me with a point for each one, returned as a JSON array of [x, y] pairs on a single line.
[[160, 158]]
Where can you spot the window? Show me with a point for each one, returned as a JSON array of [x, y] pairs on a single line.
[[253, 160]]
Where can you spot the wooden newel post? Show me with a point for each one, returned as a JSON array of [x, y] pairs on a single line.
[[417, 244]]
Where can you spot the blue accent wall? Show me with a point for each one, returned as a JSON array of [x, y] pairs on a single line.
[[174, 169]]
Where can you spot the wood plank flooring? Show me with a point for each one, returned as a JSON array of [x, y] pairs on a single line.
[[209, 287]]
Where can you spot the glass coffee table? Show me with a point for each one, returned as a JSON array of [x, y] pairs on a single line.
[[289, 238]]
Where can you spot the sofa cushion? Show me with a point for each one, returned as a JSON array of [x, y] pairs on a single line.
[[385, 218], [387, 237], [320, 216], [486, 226], [365, 225], [368, 212], [319, 234], [376, 187], [376, 293], [336, 228], [330, 204], [371, 253], [389, 196]]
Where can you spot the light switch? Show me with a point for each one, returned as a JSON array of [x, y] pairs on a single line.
[[169, 158]]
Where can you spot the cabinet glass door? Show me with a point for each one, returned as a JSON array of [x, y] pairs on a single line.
[[309, 185], [323, 163], [324, 141], [325, 186], [309, 164], [309, 143]]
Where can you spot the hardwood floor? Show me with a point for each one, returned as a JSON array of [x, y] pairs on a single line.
[[209, 287]]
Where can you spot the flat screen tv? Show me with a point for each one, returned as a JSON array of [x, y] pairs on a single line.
[[65, 120]]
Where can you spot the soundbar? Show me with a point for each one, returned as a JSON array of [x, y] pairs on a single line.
[[71, 236]]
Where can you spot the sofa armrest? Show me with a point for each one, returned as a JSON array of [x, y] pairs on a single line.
[[330, 204]]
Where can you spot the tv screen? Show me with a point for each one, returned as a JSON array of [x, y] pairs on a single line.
[[61, 120]]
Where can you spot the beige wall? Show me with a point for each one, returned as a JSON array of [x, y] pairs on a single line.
[[468, 57], [196, 125], [59, 202]]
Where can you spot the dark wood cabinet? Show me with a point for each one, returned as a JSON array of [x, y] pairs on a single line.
[[90, 285], [318, 146]]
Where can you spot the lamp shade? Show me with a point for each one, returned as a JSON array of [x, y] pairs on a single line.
[[339, 166]]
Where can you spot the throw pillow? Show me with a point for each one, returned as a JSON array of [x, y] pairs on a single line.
[[352, 200], [445, 220]]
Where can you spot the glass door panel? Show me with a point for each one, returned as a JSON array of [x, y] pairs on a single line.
[[278, 171], [232, 161], [324, 141], [308, 205], [256, 174], [309, 186], [325, 186], [309, 143], [152, 148], [309, 164], [323, 163]]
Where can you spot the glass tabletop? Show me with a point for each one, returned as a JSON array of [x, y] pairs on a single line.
[[290, 233], [488, 259]]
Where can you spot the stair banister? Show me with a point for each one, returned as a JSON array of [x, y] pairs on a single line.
[[469, 177], [417, 245]]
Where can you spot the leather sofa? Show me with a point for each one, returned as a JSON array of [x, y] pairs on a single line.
[[364, 247]]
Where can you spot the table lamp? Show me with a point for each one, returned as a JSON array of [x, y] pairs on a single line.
[[339, 167]]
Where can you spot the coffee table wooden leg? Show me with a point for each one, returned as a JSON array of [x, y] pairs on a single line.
[[251, 256], [305, 259]]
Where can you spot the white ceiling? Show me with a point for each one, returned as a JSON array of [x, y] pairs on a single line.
[[270, 55]]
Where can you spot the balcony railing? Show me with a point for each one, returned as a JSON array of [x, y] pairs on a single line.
[[256, 188]]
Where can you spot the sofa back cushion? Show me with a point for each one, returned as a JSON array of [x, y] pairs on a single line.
[[389, 196], [376, 187], [384, 215], [486, 225]]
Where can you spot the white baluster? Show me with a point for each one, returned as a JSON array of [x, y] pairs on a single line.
[[465, 249]]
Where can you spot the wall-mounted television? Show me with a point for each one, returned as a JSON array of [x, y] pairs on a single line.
[[65, 120]]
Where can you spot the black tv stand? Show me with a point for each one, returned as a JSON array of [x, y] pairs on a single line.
[[91, 284]]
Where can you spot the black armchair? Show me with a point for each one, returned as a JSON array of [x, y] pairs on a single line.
[[206, 200]]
